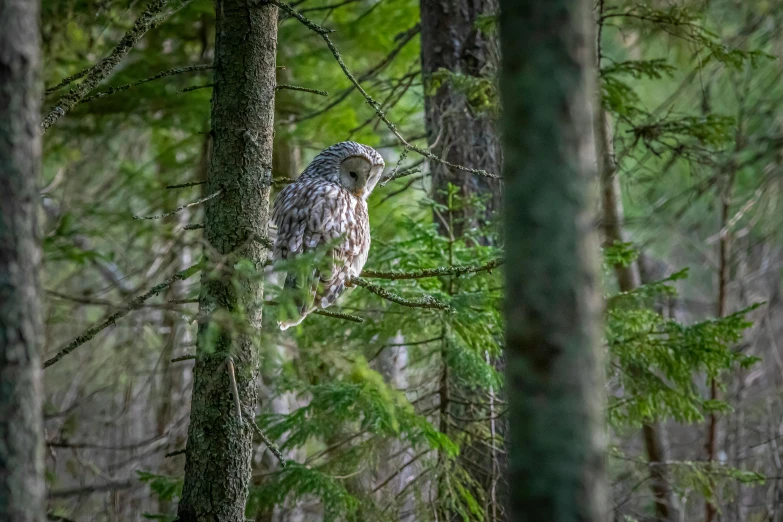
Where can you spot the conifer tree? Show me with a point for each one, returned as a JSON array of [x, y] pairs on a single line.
[[553, 358], [219, 446], [21, 335]]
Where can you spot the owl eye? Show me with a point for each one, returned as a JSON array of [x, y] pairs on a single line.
[[352, 174]]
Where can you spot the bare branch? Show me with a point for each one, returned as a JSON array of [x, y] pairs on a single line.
[[234, 391], [339, 315], [183, 207], [170, 72], [193, 226], [403, 41], [175, 453], [89, 490], [134, 304], [269, 444], [102, 69], [433, 272], [196, 87], [399, 191], [412, 169], [329, 7], [326, 313], [67, 80], [188, 184], [425, 302], [297, 88], [184, 358]]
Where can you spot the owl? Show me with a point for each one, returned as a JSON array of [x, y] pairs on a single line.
[[326, 207]]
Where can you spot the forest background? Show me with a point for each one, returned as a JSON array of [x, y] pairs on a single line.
[[395, 410]]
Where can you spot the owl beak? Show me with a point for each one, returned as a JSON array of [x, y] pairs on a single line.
[[359, 192]]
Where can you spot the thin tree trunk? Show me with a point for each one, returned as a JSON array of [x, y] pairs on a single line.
[[628, 279], [219, 447], [711, 445], [21, 331], [554, 361]]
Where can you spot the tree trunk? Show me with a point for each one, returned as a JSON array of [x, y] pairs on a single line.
[[219, 448], [21, 420], [455, 130], [629, 279], [464, 135], [554, 362]]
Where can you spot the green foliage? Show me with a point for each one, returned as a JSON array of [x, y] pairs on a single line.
[[304, 480], [668, 79], [481, 93], [165, 488]]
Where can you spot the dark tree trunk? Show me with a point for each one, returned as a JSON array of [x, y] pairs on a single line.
[[463, 135], [219, 448], [554, 362], [456, 131], [21, 419]]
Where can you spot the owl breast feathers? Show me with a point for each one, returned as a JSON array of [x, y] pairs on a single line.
[[325, 210]]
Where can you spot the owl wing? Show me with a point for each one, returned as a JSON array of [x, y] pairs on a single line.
[[309, 215]]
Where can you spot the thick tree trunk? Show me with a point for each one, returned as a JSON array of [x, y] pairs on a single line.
[[456, 131], [21, 419], [554, 362], [629, 279], [219, 448]]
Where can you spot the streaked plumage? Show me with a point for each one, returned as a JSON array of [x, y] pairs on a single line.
[[327, 202]]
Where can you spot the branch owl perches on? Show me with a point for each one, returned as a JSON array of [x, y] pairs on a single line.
[[326, 207]]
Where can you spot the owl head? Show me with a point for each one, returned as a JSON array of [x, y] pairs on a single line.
[[355, 167]]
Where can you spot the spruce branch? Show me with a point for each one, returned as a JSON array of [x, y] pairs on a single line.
[[425, 302], [324, 33], [134, 304], [121, 88], [183, 207], [433, 272], [100, 71]]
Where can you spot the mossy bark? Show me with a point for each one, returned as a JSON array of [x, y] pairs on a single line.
[[219, 447], [458, 131], [554, 362], [21, 331], [464, 134]]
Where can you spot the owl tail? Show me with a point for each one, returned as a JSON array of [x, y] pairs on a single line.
[[285, 325], [304, 308]]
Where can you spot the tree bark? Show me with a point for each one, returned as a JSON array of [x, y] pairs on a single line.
[[461, 134], [22, 487], [219, 448], [455, 130], [554, 362]]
